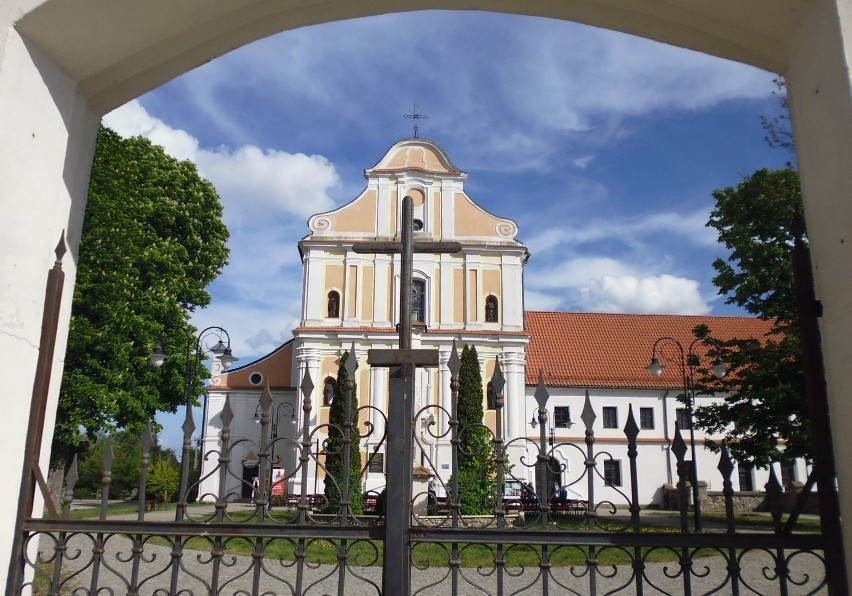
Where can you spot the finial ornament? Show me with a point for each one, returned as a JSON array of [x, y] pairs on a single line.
[[415, 115], [61, 248]]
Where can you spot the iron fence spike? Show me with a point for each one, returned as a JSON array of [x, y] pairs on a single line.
[[726, 465], [147, 438], [454, 363], [109, 455], [352, 362], [678, 444], [541, 394], [227, 415], [266, 399], [307, 385], [631, 429], [588, 415]]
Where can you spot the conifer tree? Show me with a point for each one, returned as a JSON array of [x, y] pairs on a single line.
[[334, 445], [476, 462]]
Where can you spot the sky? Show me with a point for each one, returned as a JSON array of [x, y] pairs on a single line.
[[604, 148]]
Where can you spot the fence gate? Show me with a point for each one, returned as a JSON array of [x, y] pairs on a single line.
[[404, 540]]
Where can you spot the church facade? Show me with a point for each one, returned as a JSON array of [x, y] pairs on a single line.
[[474, 297]]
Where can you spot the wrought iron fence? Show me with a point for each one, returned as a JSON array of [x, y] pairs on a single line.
[[601, 544]]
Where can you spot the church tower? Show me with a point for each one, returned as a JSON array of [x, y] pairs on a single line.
[[474, 297]]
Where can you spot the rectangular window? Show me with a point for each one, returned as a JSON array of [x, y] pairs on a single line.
[[610, 417], [612, 472], [683, 418], [561, 416], [745, 475], [646, 418], [418, 301]]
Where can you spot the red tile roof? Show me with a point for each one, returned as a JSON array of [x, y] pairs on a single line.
[[577, 349]]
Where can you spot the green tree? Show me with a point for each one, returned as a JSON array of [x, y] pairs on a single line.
[[476, 462], [127, 455], [334, 461], [767, 401], [152, 240], [164, 479]]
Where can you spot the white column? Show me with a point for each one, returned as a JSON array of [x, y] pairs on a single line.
[[820, 90], [309, 359], [378, 399], [382, 283], [48, 138], [472, 318], [512, 290], [448, 209], [444, 391], [314, 299], [448, 292], [513, 367]]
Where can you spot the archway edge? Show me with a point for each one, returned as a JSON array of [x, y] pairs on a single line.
[[120, 50]]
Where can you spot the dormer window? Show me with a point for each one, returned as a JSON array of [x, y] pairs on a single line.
[[333, 305]]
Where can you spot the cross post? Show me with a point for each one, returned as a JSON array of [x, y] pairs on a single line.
[[396, 571]]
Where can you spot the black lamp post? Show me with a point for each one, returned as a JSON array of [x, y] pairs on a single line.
[[688, 361], [201, 343]]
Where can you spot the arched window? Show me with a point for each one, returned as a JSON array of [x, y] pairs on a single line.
[[328, 391], [418, 301], [333, 305], [491, 309]]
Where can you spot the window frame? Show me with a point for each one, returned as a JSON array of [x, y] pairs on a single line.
[[492, 299], [417, 281], [610, 466], [332, 294], [558, 421], [609, 414], [683, 418], [328, 396], [646, 412]]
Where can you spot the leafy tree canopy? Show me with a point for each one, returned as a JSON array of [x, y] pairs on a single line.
[[765, 415], [152, 240]]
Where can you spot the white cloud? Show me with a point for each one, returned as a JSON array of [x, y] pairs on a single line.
[[267, 196], [249, 179], [534, 300], [583, 162], [576, 273], [602, 284], [655, 294], [634, 231]]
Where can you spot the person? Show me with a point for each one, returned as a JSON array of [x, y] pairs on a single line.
[[528, 496], [255, 488]]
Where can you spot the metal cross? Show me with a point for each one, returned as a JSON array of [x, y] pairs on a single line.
[[396, 571], [415, 116]]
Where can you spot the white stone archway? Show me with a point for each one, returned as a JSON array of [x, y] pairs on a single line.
[[64, 63]]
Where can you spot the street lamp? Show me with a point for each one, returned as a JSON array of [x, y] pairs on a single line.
[[688, 361], [202, 343]]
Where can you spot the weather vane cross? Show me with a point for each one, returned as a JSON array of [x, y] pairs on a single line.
[[414, 115]]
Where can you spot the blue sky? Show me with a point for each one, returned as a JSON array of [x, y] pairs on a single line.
[[604, 148]]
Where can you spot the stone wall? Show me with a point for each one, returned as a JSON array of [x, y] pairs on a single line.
[[744, 501]]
